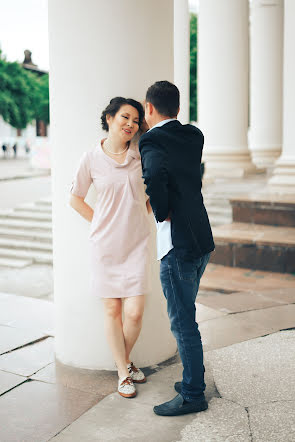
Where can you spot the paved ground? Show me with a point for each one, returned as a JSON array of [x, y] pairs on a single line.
[[248, 332], [250, 365]]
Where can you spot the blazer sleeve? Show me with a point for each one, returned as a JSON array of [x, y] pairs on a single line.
[[155, 175]]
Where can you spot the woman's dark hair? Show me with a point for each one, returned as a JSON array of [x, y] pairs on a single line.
[[115, 105], [164, 96]]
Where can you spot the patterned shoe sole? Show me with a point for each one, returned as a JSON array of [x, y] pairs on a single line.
[[139, 382], [128, 396]]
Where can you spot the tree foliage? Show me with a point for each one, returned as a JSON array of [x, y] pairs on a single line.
[[23, 95], [193, 67]]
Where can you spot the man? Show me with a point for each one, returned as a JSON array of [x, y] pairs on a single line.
[[171, 157]]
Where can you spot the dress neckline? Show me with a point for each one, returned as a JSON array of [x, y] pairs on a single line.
[[130, 154]]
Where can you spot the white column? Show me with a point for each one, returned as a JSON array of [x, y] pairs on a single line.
[[266, 79], [283, 179], [98, 50], [223, 52], [182, 56]]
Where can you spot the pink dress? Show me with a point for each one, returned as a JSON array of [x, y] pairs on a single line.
[[120, 228]]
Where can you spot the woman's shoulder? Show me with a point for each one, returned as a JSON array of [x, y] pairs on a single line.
[[134, 147]]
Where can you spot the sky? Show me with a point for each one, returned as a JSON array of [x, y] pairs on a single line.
[[23, 25]]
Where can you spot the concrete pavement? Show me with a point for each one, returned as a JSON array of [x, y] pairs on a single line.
[[250, 367], [250, 389]]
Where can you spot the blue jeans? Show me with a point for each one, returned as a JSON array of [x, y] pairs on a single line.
[[180, 282]]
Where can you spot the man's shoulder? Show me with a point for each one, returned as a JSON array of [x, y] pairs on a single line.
[[193, 129]]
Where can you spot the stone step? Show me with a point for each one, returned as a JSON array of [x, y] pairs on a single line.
[[25, 224], [215, 210], [44, 202], [225, 279], [25, 215], [25, 245], [217, 201], [29, 235], [219, 220], [33, 209], [276, 210], [35, 256], [15, 263], [255, 246]]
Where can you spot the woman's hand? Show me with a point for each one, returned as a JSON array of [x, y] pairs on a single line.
[[81, 207], [148, 206]]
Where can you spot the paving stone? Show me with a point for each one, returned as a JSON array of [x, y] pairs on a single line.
[[204, 313], [36, 411], [12, 338], [35, 281], [273, 318], [9, 380], [286, 295], [101, 382], [114, 419], [273, 422], [239, 302], [228, 330], [223, 422], [234, 279], [27, 313], [28, 360], [261, 370]]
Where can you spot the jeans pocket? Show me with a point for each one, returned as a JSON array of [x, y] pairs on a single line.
[[188, 270]]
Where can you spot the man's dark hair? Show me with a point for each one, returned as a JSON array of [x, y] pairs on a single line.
[[115, 105], [164, 96]]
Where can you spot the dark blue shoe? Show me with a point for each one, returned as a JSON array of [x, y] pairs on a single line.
[[178, 406], [177, 387]]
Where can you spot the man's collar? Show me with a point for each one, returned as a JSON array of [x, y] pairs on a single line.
[[161, 123]]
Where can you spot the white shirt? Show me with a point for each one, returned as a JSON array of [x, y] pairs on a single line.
[[164, 238]]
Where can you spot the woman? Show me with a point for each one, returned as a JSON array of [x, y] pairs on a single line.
[[119, 232]]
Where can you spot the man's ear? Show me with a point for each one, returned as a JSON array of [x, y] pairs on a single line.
[[149, 107], [178, 111]]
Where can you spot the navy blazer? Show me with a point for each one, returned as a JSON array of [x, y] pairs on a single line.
[[171, 158]]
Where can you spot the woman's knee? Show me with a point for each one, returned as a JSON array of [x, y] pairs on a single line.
[[113, 308], [134, 314]]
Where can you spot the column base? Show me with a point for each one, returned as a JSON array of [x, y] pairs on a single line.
[[265, 156], [283, 179], [234, 165]]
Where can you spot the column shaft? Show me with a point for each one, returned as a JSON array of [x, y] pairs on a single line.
[[223, 86], [283, 178], [182, 56], [265, 136], [98, 50]]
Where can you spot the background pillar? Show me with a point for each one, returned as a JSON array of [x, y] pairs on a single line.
[[283, 179], [266, 90], [223, 69], [182, 56], [98, 50]]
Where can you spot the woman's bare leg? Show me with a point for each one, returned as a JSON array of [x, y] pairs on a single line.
[[114, 333], [133, 313]]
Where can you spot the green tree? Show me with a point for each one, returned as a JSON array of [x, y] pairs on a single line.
[[193, 66], [42, 104], [23, 95]]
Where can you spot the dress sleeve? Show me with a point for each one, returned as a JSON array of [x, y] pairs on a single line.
[[82, 179]]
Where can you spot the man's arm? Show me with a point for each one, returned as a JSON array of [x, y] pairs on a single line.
[[155, 174]]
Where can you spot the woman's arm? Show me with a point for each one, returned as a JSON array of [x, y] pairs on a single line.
[[148, 206], [81, 207]]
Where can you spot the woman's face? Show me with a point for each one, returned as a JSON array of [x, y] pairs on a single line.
[[125, 123]]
